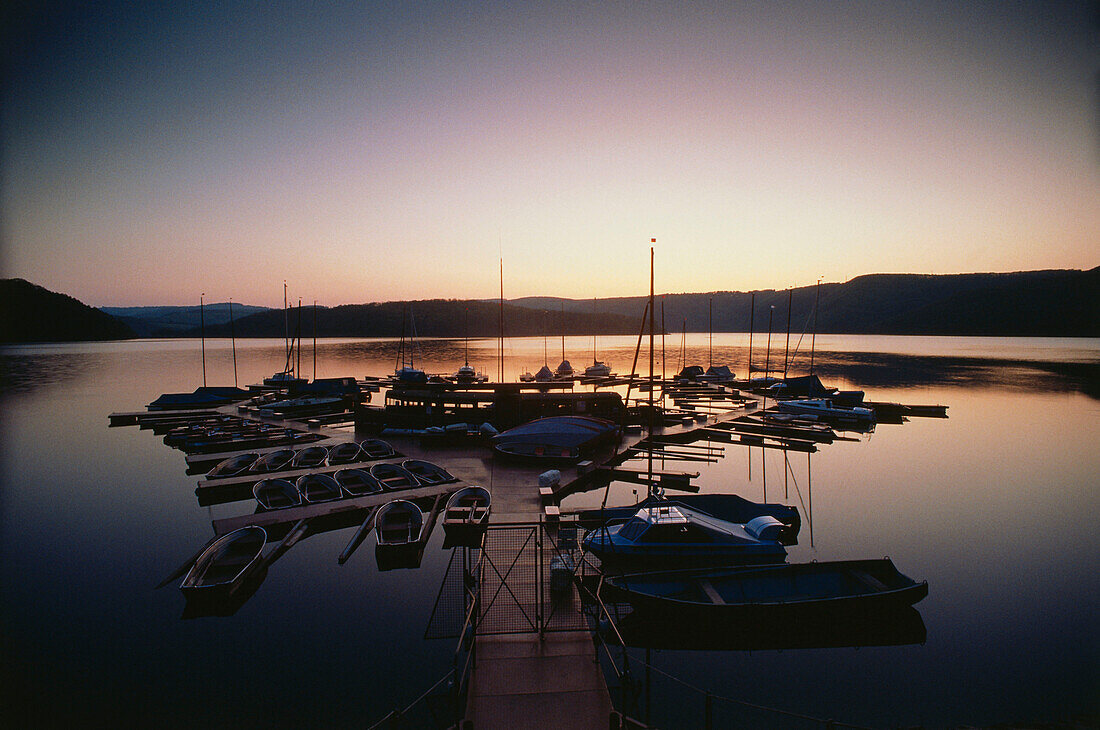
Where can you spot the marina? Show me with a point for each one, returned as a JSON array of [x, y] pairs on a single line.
[[539, 635]]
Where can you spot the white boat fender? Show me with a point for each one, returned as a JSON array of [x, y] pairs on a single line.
[[764, 527]]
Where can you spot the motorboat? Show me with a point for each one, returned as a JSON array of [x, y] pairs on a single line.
[[225, 563], [272, 494], [233, 466], [309, 457], [316, 488], [727, 507], [555, 437], [720, 594], [466, 516], [304, 406], [357, 482], [824, 408], [345, 453], [426, 472], [398, 527], [272, 461], [675, 534], [205, 397], [393, 476]]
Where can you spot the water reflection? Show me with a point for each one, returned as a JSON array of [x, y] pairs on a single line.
[[24, 373]]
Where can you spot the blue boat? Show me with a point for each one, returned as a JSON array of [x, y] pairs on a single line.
[[722, 593], [564, 438], [673, 534]]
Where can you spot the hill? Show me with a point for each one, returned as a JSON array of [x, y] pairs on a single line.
[[429, 318], [1050, 303], [167, 321], [29, 313]]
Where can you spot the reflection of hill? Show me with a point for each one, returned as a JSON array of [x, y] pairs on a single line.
[[871, 369]]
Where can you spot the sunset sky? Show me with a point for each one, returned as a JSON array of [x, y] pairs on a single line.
[[377, 151]]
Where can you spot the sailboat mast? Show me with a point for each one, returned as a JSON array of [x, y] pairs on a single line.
[[298, 367], [813, 339], [710, 329], [202, 332], [752, 313], [653, 240], [467, 355], [233, 339], [787, 351], [314, 339], [768, 357], [286, 330], [500, 364]]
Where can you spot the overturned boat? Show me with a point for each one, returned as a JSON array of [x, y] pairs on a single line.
[[555, 437]]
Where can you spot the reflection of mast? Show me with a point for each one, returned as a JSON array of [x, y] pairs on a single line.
[[752, 312], [651, 384]]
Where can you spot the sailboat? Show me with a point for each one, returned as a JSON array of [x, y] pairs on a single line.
[[564, 371], [597, 369], [544, 375], [408, 373], [286, 378], [466, 374]]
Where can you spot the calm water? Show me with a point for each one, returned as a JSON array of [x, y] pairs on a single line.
[[993, 506]]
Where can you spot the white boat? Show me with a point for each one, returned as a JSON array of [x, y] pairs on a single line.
[[597, 370], [466, 516], [225, 563], [825, 409]]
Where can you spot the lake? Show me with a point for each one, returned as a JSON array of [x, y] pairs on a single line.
[[992, 506]]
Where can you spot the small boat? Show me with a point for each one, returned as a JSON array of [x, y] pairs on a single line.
[[597, 370], [225, 564], [274, 461], [825, 409], [564, 370], [210, 397], [357, 482], [675, 534], [711, 594], [426, 472], [345, 453], [466, 516], [304, 406], [233, 466], [316, 488], [398, 527], [728, 507], [376, 449], [276, 494], [285, 379], [545, 375], [393, 476], [310, 457], [555, 438], [526, 377]]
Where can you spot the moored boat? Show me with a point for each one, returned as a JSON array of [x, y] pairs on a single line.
[[426, 472], [316, 488], [233, 466], [274, 494], [466, 516], [825, 409], [673, 534], [398, 528], [357, 482], [555, 437], [274, 461], [345, 453], [309, 457], [709, 594], [376, 449], [393, 476], [225, 563]]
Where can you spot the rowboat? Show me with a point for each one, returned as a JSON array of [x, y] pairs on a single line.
[[274, 461], [376, 449], [310, 457], [345, 453], [316, 488], [426, 472], [393, 476], [233, 466], [398, 528], [276, 494], [466, 516], [357, 482], [724, 593], [225, 563]]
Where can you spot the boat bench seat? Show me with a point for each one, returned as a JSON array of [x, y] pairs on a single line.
[[712, 593], [870, 580]]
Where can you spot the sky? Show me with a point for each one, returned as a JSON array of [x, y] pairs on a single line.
[[153, 152]]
